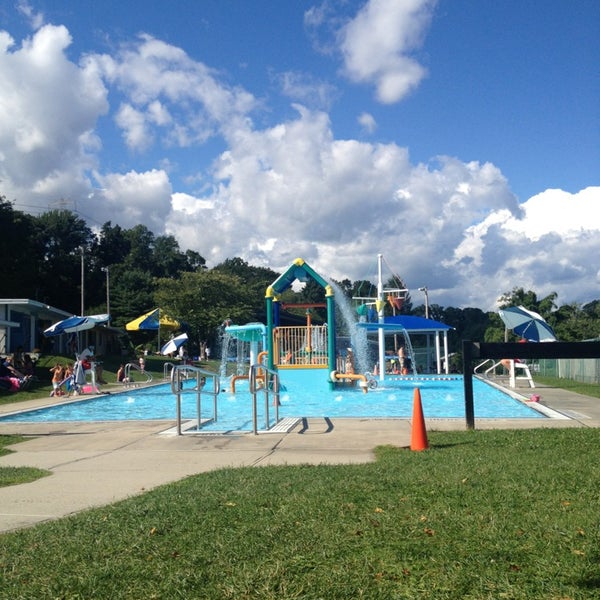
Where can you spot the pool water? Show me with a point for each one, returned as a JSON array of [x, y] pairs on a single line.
[[305, 394]]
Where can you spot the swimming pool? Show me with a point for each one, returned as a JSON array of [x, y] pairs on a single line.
[[305, 394]]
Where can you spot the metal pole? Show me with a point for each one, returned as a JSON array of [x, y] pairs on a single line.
[[82, 282], [468, 384], [380, 318], [426, 292], [108, 293]]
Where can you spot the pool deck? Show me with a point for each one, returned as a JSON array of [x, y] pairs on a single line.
[[95, 464]]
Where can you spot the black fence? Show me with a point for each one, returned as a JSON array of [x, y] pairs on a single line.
[[482, 350]]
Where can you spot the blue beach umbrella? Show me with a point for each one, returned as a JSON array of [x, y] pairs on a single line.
[[528, 324], [75, 324]]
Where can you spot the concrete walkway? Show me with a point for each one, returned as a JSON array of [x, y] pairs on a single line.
[[94, 464]]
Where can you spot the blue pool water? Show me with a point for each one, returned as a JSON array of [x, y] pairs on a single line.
[[305, 395]]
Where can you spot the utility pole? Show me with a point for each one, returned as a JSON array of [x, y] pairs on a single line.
[[82, 281]]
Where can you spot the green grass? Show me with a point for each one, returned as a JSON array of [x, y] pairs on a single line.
[[481, 515], [587, 389], [15, 475]]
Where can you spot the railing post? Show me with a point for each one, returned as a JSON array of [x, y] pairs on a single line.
[[468, 383], [252, 386], [266, 407], [268, 375], [175, 385], [276, 400]]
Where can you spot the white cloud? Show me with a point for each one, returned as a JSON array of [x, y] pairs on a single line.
[[131, 198], [377, 43], [133, 124], [36, 19], [559, 212], [548, 249], [367, 122], [49, 111], [282, 191], [328, 199], [170, 94], [302, 87]]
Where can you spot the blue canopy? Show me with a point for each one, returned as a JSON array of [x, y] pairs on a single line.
[[406, 322]]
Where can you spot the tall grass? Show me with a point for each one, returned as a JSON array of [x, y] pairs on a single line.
[[482, 514]]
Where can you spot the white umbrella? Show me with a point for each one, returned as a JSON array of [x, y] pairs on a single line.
[[174, 344]]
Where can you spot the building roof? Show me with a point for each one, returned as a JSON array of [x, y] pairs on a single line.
[[33, 307], [409, 323]]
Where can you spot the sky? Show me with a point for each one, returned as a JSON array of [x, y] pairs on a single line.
[[460, 139]]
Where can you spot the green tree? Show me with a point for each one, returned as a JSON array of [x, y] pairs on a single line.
[[141, 248], [468, 323], [529, 299], [204, 300], [131, 294], [194, 260], [255, 281], [112, 245], [572, 323], [18, 239], [168, 260], [61, 238]]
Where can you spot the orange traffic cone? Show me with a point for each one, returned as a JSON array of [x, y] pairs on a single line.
[[418, 436]]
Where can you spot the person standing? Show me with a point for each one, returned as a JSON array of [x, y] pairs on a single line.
[[58, 376]]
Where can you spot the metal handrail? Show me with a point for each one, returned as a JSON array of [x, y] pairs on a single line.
[[181, 373], [127, 382], [167, 369], [269, 385], [486, 361]]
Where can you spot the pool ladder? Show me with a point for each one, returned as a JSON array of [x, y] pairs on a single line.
[[182, 373], [128, 381], [265, 381]]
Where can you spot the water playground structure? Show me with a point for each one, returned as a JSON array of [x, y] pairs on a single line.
[[315, 346]]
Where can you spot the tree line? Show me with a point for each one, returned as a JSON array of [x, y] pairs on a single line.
[[43, 257]]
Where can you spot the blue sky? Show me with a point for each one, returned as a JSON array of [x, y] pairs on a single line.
[[460, 139]]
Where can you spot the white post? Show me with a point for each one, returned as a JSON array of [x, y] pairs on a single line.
[[380, 307], [513, 381], [82, 283], [107, 271], [447, 366]]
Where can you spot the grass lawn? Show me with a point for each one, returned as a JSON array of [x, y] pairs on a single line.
[[587, 389], [481, 515], [15, 475]]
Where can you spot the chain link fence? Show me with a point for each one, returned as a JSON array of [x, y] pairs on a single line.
[[584, 370]]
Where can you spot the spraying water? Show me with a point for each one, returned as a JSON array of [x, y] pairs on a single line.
[[224, 341], [358, 338]]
